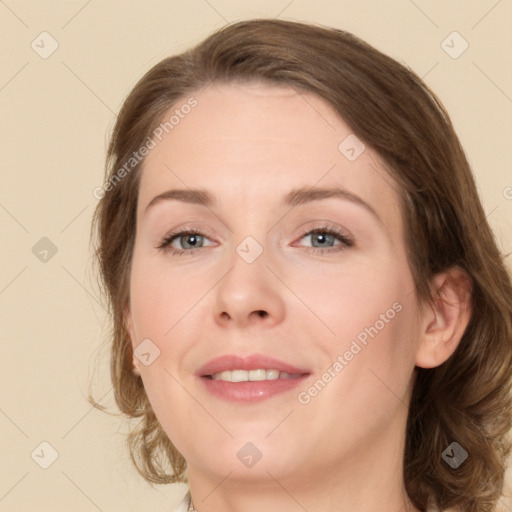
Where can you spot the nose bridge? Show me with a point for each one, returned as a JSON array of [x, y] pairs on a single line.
[[249, 291]]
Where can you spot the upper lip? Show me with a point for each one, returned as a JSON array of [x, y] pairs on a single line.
[[248, 362]]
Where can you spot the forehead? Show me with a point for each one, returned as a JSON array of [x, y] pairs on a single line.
[[248, 142]]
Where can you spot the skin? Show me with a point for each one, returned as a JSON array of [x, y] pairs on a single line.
[[249, 145]]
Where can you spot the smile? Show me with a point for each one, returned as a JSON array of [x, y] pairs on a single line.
[[260, 374], [250, 378]]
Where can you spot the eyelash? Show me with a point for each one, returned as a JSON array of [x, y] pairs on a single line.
[[346, 241]]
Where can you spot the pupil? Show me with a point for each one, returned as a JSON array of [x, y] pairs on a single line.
[[321, 238]]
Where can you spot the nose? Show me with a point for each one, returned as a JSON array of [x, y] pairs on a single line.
[[249, 294]]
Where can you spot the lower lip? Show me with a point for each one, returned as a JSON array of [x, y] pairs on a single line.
[[250, 391]]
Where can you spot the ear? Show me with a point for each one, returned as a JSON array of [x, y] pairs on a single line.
[[444, 321], [128, 322]]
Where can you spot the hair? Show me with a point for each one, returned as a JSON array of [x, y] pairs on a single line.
[[468, 398]]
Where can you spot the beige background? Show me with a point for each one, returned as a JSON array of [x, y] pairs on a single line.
[[56, 115]]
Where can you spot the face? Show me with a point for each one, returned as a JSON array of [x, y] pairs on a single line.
[[282, 324]]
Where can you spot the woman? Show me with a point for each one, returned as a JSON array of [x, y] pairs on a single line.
[[310, 310]]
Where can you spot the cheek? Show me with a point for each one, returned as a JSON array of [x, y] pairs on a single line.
[[172, 405], [159, 303], [372, 314], [363, 298], [377, 351], [161, 297], [372, 389]]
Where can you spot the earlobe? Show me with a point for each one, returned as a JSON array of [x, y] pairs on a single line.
[[128, 322], [446, 319]]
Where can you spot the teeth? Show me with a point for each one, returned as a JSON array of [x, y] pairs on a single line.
[[238, 376], [252, 375], [273, 374], [257, 375]]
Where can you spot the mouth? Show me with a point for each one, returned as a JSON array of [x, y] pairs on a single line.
[[249, 379], [259, 375]]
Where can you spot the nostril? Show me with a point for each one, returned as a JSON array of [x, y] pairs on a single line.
[[262, 313]]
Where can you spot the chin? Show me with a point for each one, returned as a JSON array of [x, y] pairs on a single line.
[[248, 458]]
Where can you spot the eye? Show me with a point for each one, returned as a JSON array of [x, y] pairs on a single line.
[[189, 239], [325, 239]]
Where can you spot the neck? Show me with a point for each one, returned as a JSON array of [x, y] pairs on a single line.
[[369, 479]]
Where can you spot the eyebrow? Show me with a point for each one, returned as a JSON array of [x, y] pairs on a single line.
[[293, 198]]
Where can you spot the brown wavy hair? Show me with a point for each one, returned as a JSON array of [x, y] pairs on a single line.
[[467, 399]]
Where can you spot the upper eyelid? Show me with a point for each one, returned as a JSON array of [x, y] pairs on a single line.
[[302, 231], [313, 225]]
